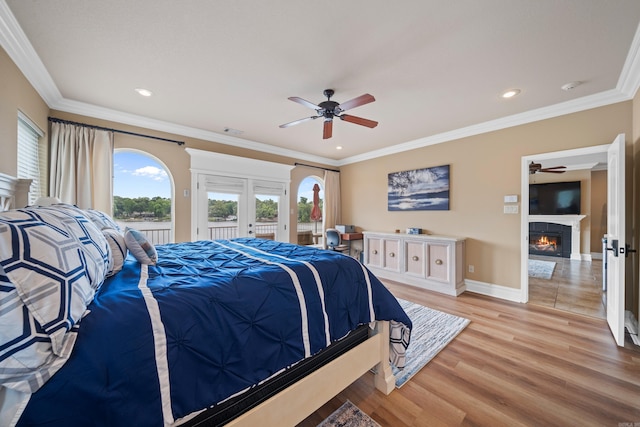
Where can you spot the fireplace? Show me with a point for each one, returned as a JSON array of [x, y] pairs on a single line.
[[545, 243], [549, 239]]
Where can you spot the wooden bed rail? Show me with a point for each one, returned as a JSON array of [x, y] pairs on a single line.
[[301, 399]]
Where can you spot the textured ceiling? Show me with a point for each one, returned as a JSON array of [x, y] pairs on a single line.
[[436, 68]]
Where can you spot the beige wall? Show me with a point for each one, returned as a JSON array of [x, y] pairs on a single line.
[[484, 168], [633, 291], [598, 209], [16, 93]]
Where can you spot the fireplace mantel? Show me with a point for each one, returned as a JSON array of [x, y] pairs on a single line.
[[572, 221]]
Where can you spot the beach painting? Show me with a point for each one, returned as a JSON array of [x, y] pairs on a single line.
[[419, 189]]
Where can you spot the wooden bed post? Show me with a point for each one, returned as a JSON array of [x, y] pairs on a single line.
[[384, 379]]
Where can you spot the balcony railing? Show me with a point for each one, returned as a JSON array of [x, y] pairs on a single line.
[[159, 236]]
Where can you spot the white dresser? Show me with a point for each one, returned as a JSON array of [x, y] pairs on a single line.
[[427, 261]]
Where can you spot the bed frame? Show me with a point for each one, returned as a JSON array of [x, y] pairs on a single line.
[[301, 399], [293, 404]]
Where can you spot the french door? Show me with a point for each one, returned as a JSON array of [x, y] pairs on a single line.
[[230, 207]]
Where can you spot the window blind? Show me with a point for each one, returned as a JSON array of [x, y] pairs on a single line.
[[28, 155]]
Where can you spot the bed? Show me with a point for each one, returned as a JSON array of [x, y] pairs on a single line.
[[115, 331]]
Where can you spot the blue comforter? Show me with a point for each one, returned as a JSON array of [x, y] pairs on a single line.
[[210, 320]]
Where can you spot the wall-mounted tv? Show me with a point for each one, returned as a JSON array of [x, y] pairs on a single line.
[[554, 198]]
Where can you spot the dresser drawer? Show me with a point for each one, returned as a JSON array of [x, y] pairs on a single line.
[[438, 256]]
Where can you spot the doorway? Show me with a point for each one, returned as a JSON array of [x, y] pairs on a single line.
[[575, 281], [230, 207]]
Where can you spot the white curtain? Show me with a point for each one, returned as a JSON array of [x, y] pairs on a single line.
[[332, 199], [82, 166]]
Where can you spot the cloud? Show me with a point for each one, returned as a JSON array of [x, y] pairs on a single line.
[[152, 172]]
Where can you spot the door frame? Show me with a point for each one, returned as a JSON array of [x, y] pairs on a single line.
[[524, 217]]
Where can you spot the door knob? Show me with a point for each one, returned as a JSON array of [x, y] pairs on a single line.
[[614, 248], [628, 249]]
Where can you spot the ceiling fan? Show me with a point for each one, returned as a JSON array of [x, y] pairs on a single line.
[[330, 109], [537, 167]]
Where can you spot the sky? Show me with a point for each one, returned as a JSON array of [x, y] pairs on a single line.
[[306, 189], [138, 175]]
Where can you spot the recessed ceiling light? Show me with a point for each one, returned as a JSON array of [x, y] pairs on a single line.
[[144, 92], [510, 93], [339, 147]]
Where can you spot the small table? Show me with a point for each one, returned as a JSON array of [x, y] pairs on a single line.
[[349, 237]]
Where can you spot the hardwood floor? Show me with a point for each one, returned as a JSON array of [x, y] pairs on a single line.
[[575, 286], [514, 365]]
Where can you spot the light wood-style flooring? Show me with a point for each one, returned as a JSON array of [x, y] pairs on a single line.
[[514, 365], [575, 286]]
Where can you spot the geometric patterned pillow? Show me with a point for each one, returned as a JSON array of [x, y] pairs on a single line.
[[26, 356], [101, 219], [56, 259], [141, 248], [118, 249]]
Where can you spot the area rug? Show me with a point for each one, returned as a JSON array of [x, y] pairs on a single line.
[[432, 331], [541, 269], [348, 415]]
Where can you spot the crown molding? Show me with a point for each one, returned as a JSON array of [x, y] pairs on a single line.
[[15, 43], [629, 80]]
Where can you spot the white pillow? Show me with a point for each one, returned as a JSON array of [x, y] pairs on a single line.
[[118, 250], [141, 249]]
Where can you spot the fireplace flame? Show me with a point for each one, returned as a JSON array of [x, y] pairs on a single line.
[[545, 244]]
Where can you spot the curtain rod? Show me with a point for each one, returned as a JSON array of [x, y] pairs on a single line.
[[317, 167], [69, 122]]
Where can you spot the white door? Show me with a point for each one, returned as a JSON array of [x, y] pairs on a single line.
[[228, 207], [616, 238]]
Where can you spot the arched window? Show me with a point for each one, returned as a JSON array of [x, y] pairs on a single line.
[[310, 228], [143, 195]]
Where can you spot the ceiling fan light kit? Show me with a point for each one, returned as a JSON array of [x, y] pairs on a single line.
[[329, 109]]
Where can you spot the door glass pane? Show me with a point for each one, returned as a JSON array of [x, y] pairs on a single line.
[[222, 216], [266, 216]]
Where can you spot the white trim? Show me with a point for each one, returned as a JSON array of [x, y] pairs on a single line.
[[492, 290]]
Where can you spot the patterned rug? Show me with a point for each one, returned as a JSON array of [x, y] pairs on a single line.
[[541, 269], [432, 331], [348, 415]]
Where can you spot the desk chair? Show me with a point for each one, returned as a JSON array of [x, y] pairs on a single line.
[[334, 241]]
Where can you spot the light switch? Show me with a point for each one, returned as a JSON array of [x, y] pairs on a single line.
[[511, 198], [511, 209]]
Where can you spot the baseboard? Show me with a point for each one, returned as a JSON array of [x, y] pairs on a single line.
[[496, 291], [586, 257]]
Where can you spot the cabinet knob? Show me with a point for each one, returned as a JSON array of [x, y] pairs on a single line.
[[438, 262], [415, 258], [375, 252], [391, 254]]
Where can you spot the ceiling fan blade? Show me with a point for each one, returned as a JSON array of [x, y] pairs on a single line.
[[359, 120], [551, 170], [356, 102], [304, 102], [328, 129], [295, 122]]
